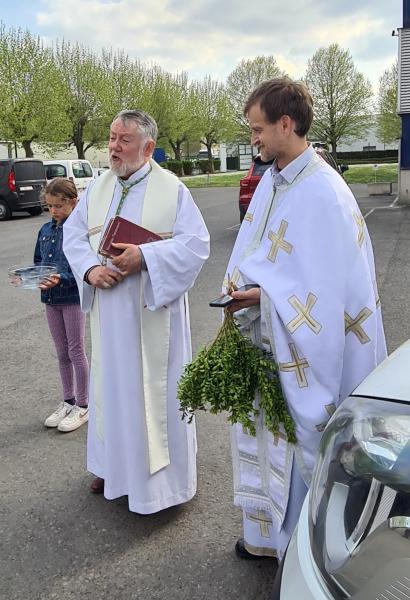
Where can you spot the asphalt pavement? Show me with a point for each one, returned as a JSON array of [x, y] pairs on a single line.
[[59, 541]]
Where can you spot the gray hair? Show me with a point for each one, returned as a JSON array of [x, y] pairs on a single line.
[[145, 123]]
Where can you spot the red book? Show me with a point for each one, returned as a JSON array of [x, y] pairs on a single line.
[[122, 231]]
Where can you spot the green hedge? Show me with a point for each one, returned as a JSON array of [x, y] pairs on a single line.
[[369, 156], [175, 166], [205, 165], [188, 166]]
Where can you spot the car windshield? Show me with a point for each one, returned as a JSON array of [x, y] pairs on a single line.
[[82, 169], [55, 171]]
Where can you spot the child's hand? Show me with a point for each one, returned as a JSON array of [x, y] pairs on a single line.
[[50, 281]]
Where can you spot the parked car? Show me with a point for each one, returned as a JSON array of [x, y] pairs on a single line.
[[79, 171], [248, 184], [21, 181], [203, 155], [353, 535]]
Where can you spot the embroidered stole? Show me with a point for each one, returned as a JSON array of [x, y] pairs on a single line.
[[159, 213]]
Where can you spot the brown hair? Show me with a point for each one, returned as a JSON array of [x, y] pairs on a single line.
[[61, 188], [283, 96]]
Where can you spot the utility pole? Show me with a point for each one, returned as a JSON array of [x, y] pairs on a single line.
[[404, 105]]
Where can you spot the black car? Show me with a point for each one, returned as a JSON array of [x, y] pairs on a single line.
[[21, 181]]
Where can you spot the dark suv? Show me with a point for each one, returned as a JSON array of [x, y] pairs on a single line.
[[247, 185], [21, 181]]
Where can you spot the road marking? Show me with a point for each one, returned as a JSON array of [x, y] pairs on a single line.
[[233, 227]]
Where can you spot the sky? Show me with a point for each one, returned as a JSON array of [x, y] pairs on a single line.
[[209, 37]]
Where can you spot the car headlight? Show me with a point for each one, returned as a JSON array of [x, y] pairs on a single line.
[[362, 479]]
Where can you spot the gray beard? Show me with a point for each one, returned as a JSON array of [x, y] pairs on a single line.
[[125, 169]]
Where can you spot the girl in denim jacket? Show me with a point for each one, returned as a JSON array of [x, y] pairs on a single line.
[[66, 321]]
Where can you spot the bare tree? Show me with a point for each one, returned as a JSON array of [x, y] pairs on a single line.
[[342, 96]]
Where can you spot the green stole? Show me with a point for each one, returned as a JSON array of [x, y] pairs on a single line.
[[158, 214]]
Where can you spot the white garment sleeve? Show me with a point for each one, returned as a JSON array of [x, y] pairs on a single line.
[[77, 249], [174, 264]]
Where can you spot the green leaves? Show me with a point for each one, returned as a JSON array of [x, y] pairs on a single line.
[[228, 375]]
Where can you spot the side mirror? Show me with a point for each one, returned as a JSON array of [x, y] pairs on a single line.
[[343, 168]]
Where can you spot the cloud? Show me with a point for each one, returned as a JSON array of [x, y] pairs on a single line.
[[210, 37]]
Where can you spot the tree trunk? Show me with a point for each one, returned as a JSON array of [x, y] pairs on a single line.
[[210, 158], [27, 148], [334, 146], [78, 140]]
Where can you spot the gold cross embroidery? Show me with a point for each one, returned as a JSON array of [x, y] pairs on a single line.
[[330, 409], [354, 325], [278, 242], [248, 217], [360, 225], [303, 315], [298, 365], [279, 436], [263, 520]]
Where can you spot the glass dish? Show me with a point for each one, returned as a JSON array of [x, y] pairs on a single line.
[[30, 277]]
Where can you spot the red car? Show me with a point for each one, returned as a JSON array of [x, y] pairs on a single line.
[[248, 184]]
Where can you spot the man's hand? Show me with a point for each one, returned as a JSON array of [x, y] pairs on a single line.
[[245, 299], [104, 278], [129, 261]]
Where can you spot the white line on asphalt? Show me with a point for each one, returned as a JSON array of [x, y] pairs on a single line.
[[234, 226], [394, 202], [369, 213]]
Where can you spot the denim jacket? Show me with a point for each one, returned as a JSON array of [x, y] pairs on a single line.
[[49, 251]]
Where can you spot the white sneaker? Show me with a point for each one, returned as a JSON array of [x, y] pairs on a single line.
[[76, 417], [62, 410]]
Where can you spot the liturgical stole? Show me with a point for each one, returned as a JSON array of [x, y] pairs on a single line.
[[158, 215]]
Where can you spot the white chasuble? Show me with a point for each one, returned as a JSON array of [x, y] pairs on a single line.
[[306, 245], [128, 356]]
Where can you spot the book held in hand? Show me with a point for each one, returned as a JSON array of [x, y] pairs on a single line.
[[122, 231]]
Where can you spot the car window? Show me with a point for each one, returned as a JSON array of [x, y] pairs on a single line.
[[29, 170], [55, 171], [87, 170], [81, 170], [259, 169]]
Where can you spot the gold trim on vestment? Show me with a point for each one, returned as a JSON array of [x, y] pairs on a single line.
[[258, 551], [303, 316], [360, 226], [298, 365], [248, 217], [263, 520], [278, 241], [354, 325]]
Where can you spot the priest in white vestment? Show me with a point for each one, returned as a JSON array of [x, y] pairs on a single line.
[[305, 244], [138, 445]]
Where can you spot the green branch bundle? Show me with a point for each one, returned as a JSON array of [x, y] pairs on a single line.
[[226, 376]]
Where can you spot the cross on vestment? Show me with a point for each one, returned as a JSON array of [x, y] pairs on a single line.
[[360, 225], [278, 241], [263, 520], [298, 365], [248, 217], [354, 325], [303, 315], [330, 409]]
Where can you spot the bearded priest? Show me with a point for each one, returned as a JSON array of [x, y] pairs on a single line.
[[138, 445], [305, 244]]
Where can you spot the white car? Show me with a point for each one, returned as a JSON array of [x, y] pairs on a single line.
[[78, 170], [353, 535]]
